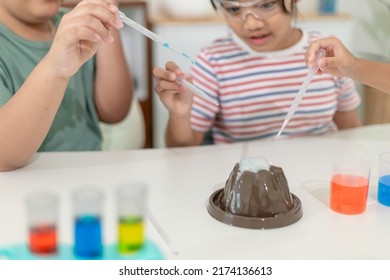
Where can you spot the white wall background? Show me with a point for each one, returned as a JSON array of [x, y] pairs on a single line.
[[371, 17]]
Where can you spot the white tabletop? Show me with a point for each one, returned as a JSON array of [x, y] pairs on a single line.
[[181, 181]]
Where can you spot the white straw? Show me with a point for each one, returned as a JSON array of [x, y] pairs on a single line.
[[151, 35], [194, 89], [320, 54], [161, 232]]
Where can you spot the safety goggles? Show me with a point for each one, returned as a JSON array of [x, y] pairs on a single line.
[[239, 10]]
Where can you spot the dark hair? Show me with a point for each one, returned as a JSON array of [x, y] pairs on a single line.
[[292, 8]]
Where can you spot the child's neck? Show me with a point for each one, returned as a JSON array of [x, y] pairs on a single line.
[[296, 35], [42, 31]]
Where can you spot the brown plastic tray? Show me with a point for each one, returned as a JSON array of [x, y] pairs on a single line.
[[289, 217]]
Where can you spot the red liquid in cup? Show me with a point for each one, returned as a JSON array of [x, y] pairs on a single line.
[[43, 240], [348, 194]]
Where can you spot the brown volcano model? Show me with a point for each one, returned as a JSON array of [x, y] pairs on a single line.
[[259, 199]]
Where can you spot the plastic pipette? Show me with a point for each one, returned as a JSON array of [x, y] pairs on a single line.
[[161, 232], [153, 36], [194, 89], [313, 70]]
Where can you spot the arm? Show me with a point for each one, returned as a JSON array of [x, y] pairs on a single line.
[[28, 115], [340, 62], [345, 120], [374, 74], [113, 84], [178, 100], [179, 133]]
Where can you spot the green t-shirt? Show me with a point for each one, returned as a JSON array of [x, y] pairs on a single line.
[[76, 125]]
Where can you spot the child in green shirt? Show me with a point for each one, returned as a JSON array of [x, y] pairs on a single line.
[[60, 74]]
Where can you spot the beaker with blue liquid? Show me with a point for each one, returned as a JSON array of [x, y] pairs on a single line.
[[87, 204], [384, 179]]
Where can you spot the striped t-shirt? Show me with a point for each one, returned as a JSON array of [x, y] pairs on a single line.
[[255, 91]]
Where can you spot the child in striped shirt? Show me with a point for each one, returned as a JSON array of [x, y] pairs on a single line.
[[254, 75]]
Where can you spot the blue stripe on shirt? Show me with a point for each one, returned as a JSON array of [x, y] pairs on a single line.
[[272, 93], [268, 116], [261, 73]]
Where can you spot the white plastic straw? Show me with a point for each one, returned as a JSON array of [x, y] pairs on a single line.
[[161, 232], [194, 89], [151, 35], [320, 54]]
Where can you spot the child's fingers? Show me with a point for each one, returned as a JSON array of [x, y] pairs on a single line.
[[171, 66], [311, 53], [93, 4], [94, 11], [330, 62], [162, 74]]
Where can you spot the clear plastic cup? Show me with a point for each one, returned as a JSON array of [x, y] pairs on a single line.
[[384, 179], [42, 216], [349, 185], [87, 204], [131, 200]]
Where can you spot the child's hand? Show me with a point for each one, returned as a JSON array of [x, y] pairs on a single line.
[[338, 61], [175, 97], [79, 35]]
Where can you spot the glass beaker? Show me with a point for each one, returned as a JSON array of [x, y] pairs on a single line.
[[384, 179], [350, 180], [87, 203], [131, 199], [42, 211]]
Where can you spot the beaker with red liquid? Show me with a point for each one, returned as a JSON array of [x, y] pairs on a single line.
[[350, 179], [42, 222]]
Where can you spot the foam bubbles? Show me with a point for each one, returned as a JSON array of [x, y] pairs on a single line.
[[254, 164]]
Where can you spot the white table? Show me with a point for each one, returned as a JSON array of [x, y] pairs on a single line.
[[181, 180]]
